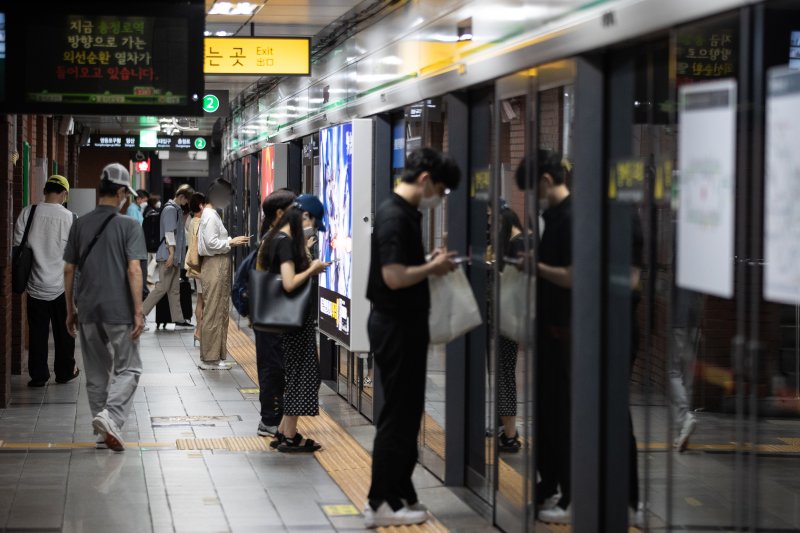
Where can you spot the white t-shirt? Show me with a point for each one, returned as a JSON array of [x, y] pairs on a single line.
[[47, 238], [212, 238]]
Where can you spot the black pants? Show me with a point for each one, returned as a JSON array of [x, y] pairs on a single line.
[[271, 377], [41, 314], [401, 349], [553, 418]]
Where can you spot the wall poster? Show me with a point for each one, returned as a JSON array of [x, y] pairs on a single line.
[[345, 188], [267, 171], [707, 179], [781, 207]]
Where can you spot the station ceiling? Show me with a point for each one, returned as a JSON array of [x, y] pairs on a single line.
[[271, 18]]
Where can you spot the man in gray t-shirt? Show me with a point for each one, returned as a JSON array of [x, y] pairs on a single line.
[[107, 249]]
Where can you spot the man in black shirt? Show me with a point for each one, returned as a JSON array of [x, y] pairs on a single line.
[[398, 331], [554, 316]]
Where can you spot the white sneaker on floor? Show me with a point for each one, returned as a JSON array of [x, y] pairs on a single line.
[[556, 515], [689, 425], [419, 506], [386, 517], [550, 503], [106, 428], [636, 517], [216, 365], [100, 443]]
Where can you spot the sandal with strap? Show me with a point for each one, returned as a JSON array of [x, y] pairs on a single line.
[[296, 445], [509, 444], [279, 439]]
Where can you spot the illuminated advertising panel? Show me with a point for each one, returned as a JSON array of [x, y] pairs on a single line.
[[345, 188], [267, 171]]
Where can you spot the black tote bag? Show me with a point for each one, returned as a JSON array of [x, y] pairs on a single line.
[[272, 309], [22, 260]]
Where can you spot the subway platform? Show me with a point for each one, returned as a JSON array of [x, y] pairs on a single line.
[[193, 462]]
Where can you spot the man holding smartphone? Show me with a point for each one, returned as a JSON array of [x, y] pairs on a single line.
[[398, 331]]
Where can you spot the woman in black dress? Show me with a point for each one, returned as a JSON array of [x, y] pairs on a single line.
[[284, 251]]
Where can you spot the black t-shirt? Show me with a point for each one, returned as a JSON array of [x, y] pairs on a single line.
[[397, 239], [555, 249], [279, 252]]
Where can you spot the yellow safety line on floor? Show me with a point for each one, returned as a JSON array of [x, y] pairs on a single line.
[[434, 435], [345, 460]]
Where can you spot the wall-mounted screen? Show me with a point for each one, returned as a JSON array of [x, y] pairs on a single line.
[[345, 188], [267, 171]]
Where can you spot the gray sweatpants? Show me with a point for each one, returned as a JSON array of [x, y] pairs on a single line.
[[113, 366]]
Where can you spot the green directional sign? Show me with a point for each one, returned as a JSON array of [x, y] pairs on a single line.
[[210, 103], [200, 143]]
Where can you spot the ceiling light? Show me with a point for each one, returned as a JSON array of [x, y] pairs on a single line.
[[207, 33], [234, 8], [392, 60], [223, 33]]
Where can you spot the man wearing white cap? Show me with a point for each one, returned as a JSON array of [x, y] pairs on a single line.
[[106, 249], [50, 223]]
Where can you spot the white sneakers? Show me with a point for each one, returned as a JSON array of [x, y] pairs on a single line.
[[386, 517], [556, 515], [689, 425], [636, 518], [214, 365], [106, 429], [550, 503]]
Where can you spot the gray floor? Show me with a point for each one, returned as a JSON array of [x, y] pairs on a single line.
[[164, 489]]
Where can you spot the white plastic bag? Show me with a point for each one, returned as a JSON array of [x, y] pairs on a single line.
[[515, 296], [454, 310]]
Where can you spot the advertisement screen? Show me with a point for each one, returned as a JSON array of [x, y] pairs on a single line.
[[336, 244], [267, 171]]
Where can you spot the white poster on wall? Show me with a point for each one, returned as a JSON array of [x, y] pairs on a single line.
[[782, 202], [707, 187]]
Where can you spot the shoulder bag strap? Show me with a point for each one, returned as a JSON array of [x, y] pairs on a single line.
[[27, 227], [94, 241]]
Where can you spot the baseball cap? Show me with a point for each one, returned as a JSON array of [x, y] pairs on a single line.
[[116, 173], [59, 180], [311, 205]]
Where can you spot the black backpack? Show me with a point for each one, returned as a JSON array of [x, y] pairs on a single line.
[[152, 230]]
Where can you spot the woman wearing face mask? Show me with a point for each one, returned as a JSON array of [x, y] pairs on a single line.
[[284, 251], [214, 246]]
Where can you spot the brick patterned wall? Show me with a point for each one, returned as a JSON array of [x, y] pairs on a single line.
[[7, 138], [551, 112]]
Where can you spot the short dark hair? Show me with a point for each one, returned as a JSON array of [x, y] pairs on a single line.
[[107, 188], [141, 193], [195, 201], [279, 199], [552, 163], [442, 168], [53, 188]]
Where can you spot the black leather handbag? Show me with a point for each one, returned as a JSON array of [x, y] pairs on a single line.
[[22, 260], [272, 309]]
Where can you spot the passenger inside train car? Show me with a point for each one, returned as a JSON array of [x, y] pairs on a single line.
[[609, 338]]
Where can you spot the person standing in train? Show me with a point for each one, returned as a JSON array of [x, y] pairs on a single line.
[[214, 246], [398, 331], [554, 296]]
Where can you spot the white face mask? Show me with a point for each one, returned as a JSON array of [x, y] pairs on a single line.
[[158, 205], [123, 201], [430, 202]]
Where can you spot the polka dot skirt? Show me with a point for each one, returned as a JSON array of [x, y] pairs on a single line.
[[507, 384], [302, 370]]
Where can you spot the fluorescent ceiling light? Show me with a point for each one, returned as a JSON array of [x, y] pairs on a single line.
[[392, 60], [234, 8], [223, 33], [207, 33]]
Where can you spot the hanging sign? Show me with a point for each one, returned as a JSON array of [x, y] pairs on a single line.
[[258, 56]]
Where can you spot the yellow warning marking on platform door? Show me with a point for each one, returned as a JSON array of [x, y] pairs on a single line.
[[340, 510], [249, 391]]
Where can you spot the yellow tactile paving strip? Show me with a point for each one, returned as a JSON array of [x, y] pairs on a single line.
[[434, 436], [342, 456]]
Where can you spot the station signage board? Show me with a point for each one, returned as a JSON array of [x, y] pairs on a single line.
[[159, 142], [258, 56]]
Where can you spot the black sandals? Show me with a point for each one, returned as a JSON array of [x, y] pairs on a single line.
[[296, 445]]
